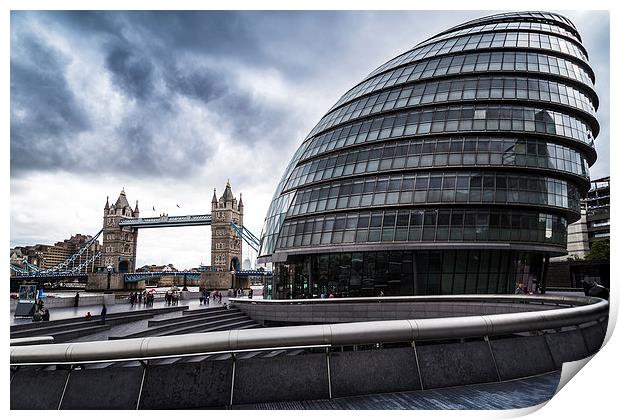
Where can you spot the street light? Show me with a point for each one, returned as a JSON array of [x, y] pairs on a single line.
[[109, 268]]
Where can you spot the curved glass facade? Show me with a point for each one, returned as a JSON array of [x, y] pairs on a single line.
[[453, 168]]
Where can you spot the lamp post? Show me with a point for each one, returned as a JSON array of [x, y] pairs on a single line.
[[109, 268]]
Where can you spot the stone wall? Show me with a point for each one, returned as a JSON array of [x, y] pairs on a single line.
[[216, 280]]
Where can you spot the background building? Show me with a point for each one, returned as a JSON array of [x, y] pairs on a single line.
[[119, 242], [594, 224], [226, 252], [49, 256], [453, 168]]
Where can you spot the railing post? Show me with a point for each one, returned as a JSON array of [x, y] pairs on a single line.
[[329, 375], [499, 376], [232, 381], [144, 364], [417, 363], [64, 389]]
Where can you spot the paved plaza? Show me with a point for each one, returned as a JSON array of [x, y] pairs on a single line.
[[521, 393]]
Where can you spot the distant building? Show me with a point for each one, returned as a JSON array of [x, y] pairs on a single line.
[[49, 256], [247, 264], [594, 223], [572, 270], [153, 268], [598, 210]]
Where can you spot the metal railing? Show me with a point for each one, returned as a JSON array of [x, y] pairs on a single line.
[[536, 299], [580, 311]]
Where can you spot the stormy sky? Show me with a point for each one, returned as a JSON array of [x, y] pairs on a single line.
[[169, 105]]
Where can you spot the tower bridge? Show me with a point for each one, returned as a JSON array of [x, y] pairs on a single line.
[[121, 224]]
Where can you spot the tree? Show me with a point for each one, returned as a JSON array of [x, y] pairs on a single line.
[[599, 251]]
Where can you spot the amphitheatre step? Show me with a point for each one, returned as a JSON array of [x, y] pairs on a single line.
[[238, 325], [215, 315], [187, 325], [204, 310], [40, 328], [111, 316], [67, 335]]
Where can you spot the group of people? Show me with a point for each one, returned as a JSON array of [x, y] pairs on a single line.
[[40, 314], [205, 297], [140, 297], [171, 298]]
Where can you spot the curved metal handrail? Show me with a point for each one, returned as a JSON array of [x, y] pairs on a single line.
[[26, 341], [543, 299], [592, 309]]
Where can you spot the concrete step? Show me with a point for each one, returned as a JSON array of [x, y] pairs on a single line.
[[209, 315], [68, 335], [68, 321], [182, 322], [40, 328], [189, 325], [204, 310], [237, 325]]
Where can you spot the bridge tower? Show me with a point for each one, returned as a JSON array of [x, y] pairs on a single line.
[[226, 253], [119, 242]]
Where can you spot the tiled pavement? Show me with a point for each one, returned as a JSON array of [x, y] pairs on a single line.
[[496, 396]]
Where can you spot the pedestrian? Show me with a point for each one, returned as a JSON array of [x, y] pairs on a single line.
[[519, 290], [104, 312], [200, 297], [46, 315], [207, 297], [37, 316], [132, 299], [140, 298], [40, 305], [167, 298], [250, 294], [381, 294], [88, 316], [76, 300]]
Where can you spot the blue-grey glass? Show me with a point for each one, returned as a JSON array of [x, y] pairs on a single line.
[[481, 134]]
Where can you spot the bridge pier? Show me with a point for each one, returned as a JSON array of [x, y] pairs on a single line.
[[99, 281]]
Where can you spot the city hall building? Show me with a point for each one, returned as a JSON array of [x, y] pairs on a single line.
[[453, 168]]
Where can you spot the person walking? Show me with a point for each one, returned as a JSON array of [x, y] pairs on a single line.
[[519, 290], [139, 298], [46, 315], [132, 299], [250, 294], [76, 300], [104, 312]]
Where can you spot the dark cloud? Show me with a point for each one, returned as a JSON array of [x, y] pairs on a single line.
[[157, 61], [133, 73], [205, 86], [43, 108]]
